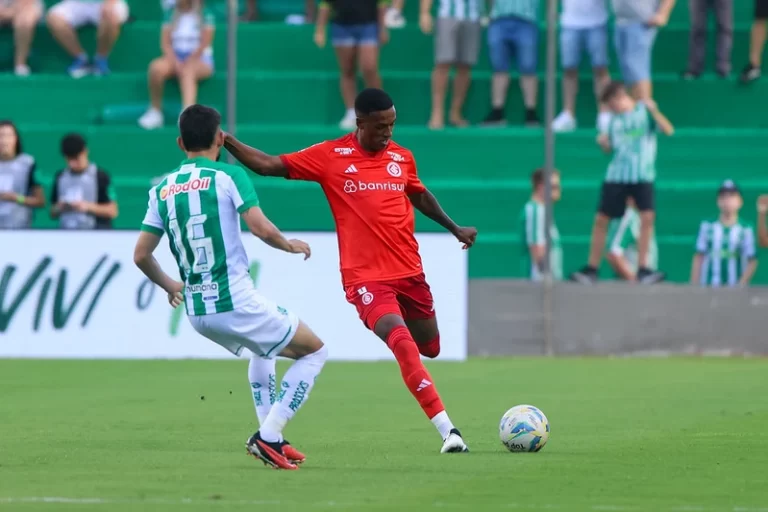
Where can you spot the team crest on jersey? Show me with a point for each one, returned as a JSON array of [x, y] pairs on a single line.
[[365, 295], [169, 191], [394, 170], [397, 157]]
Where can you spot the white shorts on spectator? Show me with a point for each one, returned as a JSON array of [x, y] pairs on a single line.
[[79, 13]]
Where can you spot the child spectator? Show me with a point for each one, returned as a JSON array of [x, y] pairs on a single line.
[[533, 230], [19, 190]]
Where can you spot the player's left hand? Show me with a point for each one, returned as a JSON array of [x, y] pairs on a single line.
[[175, 297], [466, 236]]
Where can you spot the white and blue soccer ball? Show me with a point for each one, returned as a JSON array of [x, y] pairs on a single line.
[[524, 428]]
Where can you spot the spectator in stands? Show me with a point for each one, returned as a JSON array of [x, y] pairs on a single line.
[[514, 30], [622, 246], [762, 224], [533, 229], [697, 44], [583, 27], [725, 249], [637, 22], [457, 43], [357, 30], [23, 16], [68, 15], [757, 40], [19, 190], [186, 43], [82, 195]]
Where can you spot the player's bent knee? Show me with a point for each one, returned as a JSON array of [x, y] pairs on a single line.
[[304, 342]]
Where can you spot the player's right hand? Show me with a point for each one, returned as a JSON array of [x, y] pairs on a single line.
[[299, 247]]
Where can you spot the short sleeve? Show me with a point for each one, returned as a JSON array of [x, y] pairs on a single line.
[[55, 189], [413, 184], [749, 248], [152, 222], [32, 182], [106, 191], [534, 224], [241, 189], [702, 241], [309, 164]]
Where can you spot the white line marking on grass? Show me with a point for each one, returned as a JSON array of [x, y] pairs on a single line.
[[59, 500]]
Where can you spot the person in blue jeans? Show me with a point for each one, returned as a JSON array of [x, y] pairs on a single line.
[[357, 30], [637, 22]]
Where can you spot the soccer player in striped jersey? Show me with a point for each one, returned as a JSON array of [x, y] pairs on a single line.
[[631, 140], [726, 255], [199, 206], [621, 248], [533, 229]]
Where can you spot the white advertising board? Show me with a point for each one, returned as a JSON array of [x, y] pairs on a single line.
[[79, 295]]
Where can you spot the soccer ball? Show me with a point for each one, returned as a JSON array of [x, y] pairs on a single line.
[[524, 428]]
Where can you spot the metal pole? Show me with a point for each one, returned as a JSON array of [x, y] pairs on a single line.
[[232, 20], [549, 165]]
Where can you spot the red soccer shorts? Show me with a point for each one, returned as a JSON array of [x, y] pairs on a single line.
[[409, 297]]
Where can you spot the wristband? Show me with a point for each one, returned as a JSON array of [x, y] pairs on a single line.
[[21, 199]]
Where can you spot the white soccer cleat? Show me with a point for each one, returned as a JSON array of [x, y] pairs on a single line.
[[454, 443]]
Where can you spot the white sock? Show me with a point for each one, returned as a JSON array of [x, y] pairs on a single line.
[[294, 390], [261, 374], [443, 424]]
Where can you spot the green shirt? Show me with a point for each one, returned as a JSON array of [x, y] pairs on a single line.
[[622, 240], [199, 205], [525, 9], [727, 251], [532, 232], [633, 140], [471, 10]]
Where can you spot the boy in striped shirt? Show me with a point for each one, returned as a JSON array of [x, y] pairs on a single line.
[[726, 255], [533, 230]]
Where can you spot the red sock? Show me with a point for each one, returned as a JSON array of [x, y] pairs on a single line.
[[431, 349], [416, 377]]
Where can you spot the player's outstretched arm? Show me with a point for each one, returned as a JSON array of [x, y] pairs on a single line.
[[144, 259], [255, 160], [263, 228], [427, 204]]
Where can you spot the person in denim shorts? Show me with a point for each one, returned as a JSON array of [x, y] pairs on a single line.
[[357, 29], [583, 28], [514, 31], [634, 34]]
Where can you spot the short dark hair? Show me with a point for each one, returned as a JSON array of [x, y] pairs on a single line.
[[372, 100], [537, 176], [7, 122], [72, 144], [198, 126], [611, 90]]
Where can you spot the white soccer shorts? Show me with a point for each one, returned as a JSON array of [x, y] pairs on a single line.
[[261, 326], [78, 13]]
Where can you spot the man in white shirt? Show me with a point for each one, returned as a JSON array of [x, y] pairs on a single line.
[[583, 29]]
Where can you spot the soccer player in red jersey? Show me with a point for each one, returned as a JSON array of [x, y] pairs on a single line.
[[372, 186]]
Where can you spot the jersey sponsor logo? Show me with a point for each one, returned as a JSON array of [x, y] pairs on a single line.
[[344, 151], [210, 291], [351, 169], [169, 191], [396, 156], [394, 170], [350, 187]]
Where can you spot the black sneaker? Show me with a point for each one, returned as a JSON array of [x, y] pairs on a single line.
[[586, 275], [454, 443], [532, 118], [648, 276], [750, 73], [271, 454], [494, 118]]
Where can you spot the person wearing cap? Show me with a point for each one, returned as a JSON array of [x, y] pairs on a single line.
[[726, 255]]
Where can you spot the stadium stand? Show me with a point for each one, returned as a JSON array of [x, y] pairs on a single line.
[[480, 175]]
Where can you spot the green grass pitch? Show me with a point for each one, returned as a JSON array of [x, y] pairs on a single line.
[[627, 435]]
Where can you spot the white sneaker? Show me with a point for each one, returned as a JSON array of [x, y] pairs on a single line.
[[454, 443], [394, 18], [22, 70], [151, 119], [603, 121], [564, 122], [349, 121]]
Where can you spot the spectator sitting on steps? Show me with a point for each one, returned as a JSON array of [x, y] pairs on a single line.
[[23, 16]]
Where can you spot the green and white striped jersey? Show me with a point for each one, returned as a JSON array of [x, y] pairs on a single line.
[[198, 206], [532, 232], [525, 9], [471, 10], [633, 140], [623, 236], [727, 251]]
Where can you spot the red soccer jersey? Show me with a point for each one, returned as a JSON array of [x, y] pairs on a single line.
[[368, 195]]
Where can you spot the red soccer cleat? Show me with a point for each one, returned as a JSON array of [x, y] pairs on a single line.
[[292, 454], [271, 454]]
